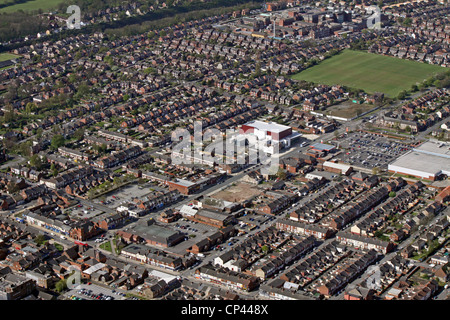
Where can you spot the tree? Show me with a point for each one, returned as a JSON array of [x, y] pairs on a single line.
[[36, 161], [30, 108], [54, 170], [101, 148], [402, 95], [39, 132], [79, 134], [392, 194], [258, 69], [265, 249], [109, 60], [12, 187], [9, 115], [150, 70], [437, 83], [61, 285], [40, 239], [429, 82], [281, 174], [57, 141], [23, 148], [407, 22], [422, 87]]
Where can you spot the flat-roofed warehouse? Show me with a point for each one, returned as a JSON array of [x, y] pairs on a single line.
[[339, 168], [152, 234], [428, 161], [212, 218], [323, 147]]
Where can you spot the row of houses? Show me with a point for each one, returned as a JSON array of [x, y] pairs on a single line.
[[225, 277], [75, 229], [305, 229], [273, 202], [153, 257], [118, 158], [344, 215], [403, 201], [328, 200], [277, 260], [346, 273], [251, 250], [312, 266]]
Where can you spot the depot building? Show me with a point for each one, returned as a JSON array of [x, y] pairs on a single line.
[[428, 161]]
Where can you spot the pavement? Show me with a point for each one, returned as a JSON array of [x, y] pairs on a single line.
[[96, 289]]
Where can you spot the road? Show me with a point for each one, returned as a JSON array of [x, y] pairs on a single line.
[[422, 135], [96, 205], [16, 159], [443, 295]]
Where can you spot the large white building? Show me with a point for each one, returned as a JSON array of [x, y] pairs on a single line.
[[270, 135], [428, 161]]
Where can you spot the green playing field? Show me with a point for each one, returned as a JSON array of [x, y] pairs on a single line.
[[30, 5], [370, 72]]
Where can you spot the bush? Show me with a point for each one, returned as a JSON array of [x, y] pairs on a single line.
[[61, 285]]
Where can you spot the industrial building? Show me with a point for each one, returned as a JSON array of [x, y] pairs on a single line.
[[428, 161]]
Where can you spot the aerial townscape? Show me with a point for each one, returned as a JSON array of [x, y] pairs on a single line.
[[106, 193]]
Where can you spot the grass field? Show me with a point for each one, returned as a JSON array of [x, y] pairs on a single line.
[[28, 5], [369, 72], [7, 56]]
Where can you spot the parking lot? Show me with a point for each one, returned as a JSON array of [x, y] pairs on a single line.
[[193, 227], [126, 194], [370, 150], [81, 211], [94, 292], [256, 219]]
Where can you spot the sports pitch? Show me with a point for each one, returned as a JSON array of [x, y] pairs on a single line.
[[7, 56], [28, 5], [369, 72]]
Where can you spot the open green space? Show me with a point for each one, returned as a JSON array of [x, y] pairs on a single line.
[[106, 246], [369, 72], [28, 5], [7, 56]]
